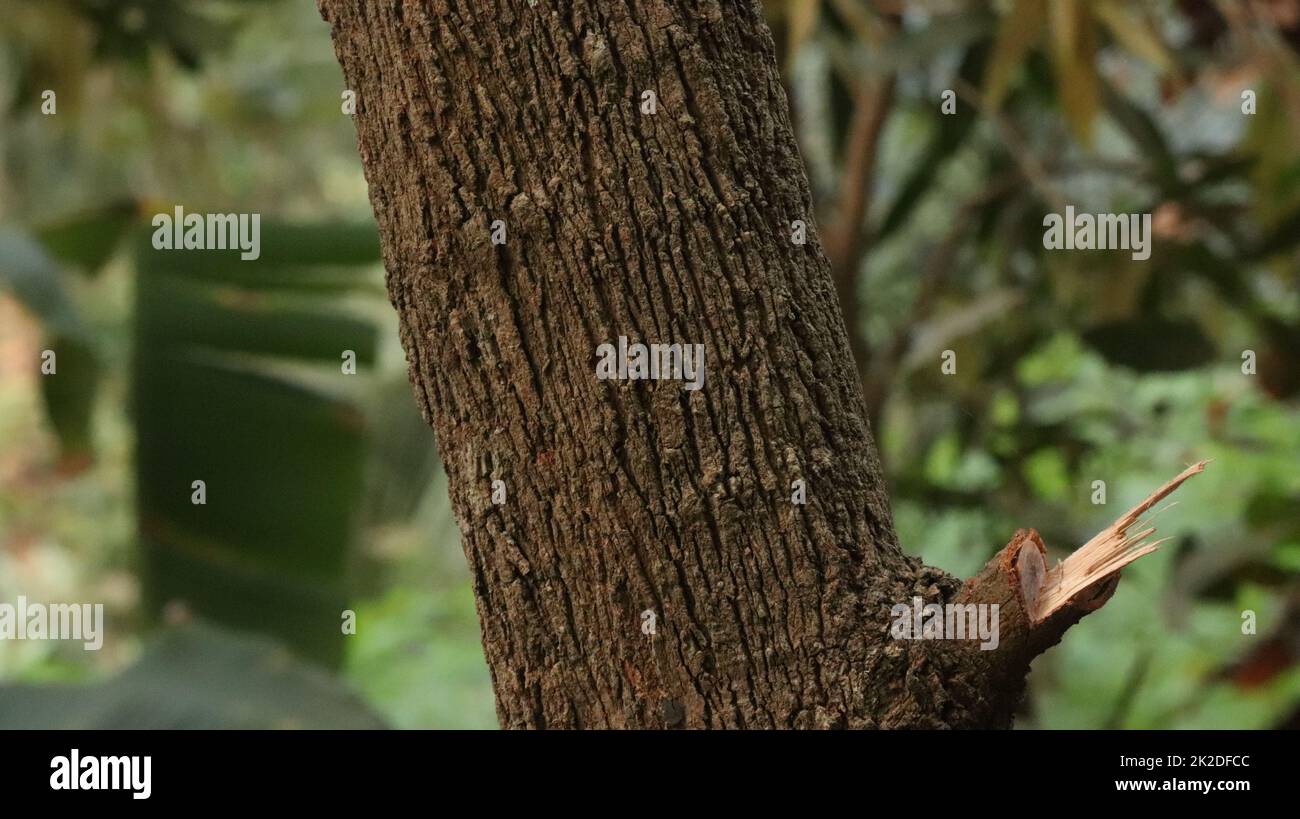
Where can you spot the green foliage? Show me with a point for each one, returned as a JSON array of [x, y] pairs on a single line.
[[228, 368], [1087, 366], [29, 272], [418, 659], [222, 394], [195, 677], [88, 240]]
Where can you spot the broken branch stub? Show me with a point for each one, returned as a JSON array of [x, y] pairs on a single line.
[[1018, 578], [1037, 605]]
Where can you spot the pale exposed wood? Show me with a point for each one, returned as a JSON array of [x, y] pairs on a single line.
[[1112, 549]]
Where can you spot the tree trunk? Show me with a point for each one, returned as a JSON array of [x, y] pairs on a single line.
[[626, 496]]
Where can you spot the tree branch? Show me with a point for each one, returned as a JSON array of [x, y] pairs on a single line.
[[1037, 605], [843, 239]]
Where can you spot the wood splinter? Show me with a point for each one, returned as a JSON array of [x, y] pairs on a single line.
[[1110, 550], [1030, 594]]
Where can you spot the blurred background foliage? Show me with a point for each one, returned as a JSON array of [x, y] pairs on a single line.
[[323, 490]]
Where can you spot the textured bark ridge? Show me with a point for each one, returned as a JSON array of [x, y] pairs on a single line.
[[627, 496]]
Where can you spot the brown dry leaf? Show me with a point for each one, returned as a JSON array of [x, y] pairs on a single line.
[[856, 17], [1134, 33], [1017, 33], [1074, 48], [802, 16]]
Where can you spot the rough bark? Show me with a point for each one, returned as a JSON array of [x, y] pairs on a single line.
[[625, 496]]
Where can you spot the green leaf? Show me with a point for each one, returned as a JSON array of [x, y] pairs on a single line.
[[302, 325], [1146, 135], [38, 282], [298, 258], [1151, 344], [419, 659], [195, 677], [88, 240], [241, 387], [69, 394]]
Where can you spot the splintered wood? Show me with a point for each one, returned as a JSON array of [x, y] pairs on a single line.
[[1112, 549]]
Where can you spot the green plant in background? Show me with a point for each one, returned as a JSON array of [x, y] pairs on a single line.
[[241, 375], [231, 369], [239, 382], [195, 677], [33, 267]]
